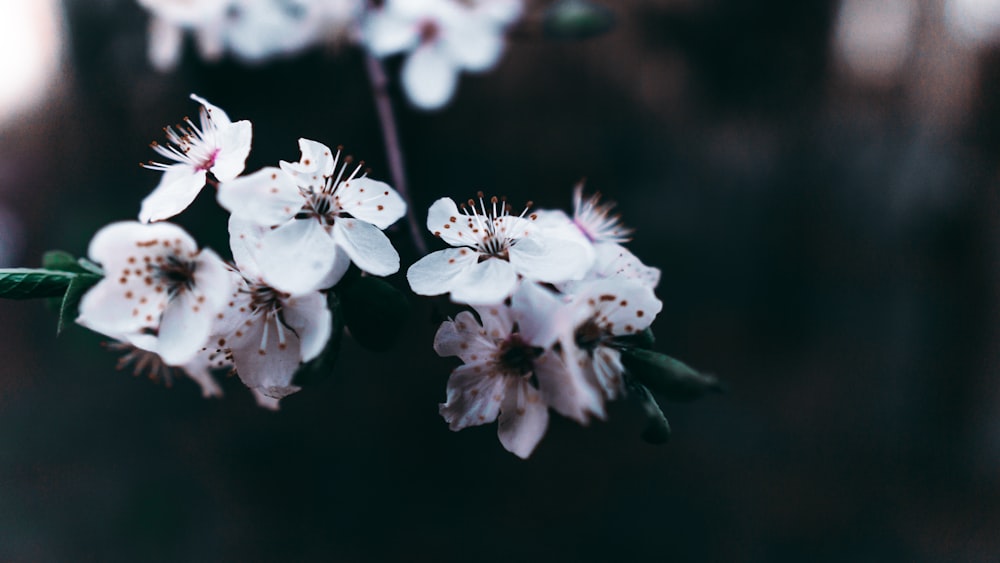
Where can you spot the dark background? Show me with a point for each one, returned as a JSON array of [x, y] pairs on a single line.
[[828, 240]]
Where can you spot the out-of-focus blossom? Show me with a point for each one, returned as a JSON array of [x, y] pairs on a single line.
[[974, 22], [324, 218], [219, 147], [158, 283], [143, 361], [206, 19], [442, 38], [492, 248]]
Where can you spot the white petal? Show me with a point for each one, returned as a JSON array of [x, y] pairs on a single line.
[[474, 45], [297, 256], [314, 166], [127, 243], [541, 315], [429, 77], [436, 273], [165, 42], [487, 282], [367, 246], [184, 329], [386, 34], [524, 418], [178, 187], [371, 201], [624, 306], [550, 260], [606, 369], [201, 373], [245, 245], [498, 320], [474, 397], [445, 221], [216, 115], [210, 39], [310, 318], [466, 338], [614, 260], [234, 146], [266, 364], [267, 197], [265, 402], [565, 388]]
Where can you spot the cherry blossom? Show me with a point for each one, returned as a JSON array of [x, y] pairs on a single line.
[[171, 18], [442, 37], [492, 248], [324, 218], [496, 379], [267, 332], [219, 147], [157, 283], [139, 355]]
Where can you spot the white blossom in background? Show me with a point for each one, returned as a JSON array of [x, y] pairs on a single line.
[[491, 250], [441, 39], [219, 147], [156, 283], [323, 218], [171, 19], [268, 333]]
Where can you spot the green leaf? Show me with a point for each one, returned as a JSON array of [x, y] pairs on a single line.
[[61, 261], [27, 283], [644, 339], [321, 367], [71, 299], [657, 429], [577, 19], [673, 379], [374, 311]]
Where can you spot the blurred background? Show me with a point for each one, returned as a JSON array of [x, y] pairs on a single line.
[[817, 181]]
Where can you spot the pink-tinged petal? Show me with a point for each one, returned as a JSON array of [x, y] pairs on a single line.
[[542, 316], [614, 260], [314, 166], [474, 396], [621, 306], [310, 318], [178, 187], [371, 201], [498, 320], [266, 355], [385, 34], [265, 402], [367, 246], [550, 260], [210, 40], [464, 337], [445, 221], [429, 77], [165, 42], [234, 146], [184, 329], [474, 45], [487, 282], [266, 197], [565, 388], [524, 417], [201, 373], [606, 369], [436, 273], [297, 256], [216, 116]]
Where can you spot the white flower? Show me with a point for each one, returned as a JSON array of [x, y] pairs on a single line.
[[268, 333], [144, 361], [493, 249], [443, 37], [156, 282], [171, 18], [322, 221], [496, 378], [219, 147], [260, 29]]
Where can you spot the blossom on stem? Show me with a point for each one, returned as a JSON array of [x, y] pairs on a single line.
[[323, 219], [219, 147], [156, 283], [268, 332], [492, 249], [442, 37]]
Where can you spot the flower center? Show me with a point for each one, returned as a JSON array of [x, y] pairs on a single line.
[[266, 298], [589, 336], [187, 144], [516, 357], [494, 226], [429, 31], [176, 274]]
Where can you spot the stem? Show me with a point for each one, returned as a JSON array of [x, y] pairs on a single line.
[[393, 149]]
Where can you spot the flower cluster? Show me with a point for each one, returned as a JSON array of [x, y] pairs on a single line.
[[294, 231], [556, 297], [441, 37]]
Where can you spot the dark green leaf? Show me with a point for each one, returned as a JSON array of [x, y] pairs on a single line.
[[657, 429], [374, 311], [577, 19], [62, 261], [673, 379], [321, 367], [26, 283], [74, 292], [642, 339]]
